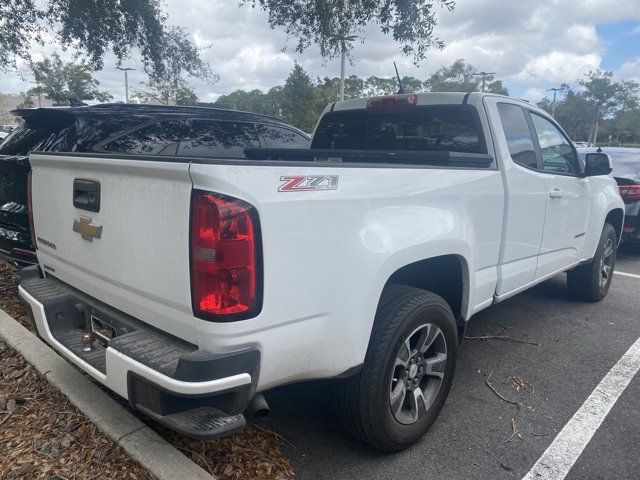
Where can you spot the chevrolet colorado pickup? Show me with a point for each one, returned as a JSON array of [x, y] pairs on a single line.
[[150, 129], [190, 285]]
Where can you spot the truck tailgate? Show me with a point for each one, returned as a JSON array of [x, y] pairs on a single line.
[[134, 251]]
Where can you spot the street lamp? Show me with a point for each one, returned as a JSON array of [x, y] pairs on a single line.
[[344, 39], [555, 90], [484, 76], [126, 82]]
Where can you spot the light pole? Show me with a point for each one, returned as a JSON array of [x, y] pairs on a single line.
[[126, 82], [484, 76], [555, 90], [343, 59]]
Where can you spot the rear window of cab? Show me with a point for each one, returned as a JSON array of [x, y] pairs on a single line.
[[429, 128]]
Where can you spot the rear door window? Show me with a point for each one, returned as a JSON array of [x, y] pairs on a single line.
[[160, 138], [216, 138], [518, 135], [280, 137], [441, 128]]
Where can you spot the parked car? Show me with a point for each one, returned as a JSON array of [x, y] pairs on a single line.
[[122, 129], [191, 285], [626, 171]]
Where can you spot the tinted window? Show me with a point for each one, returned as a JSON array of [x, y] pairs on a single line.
[[219, 139], [157, 138], [279, 137], [558, 155], [452, 128], [518, 135]]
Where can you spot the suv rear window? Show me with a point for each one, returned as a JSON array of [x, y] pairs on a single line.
[[441, 128]]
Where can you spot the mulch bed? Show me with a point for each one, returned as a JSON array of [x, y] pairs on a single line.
[[46, 437]]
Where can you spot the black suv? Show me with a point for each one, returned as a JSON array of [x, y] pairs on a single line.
[[117, 129]]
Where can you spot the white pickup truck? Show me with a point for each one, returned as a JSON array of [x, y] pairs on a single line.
[[191, 285]]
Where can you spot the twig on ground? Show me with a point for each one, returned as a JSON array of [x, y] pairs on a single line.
[[500, 462], [520, 383], [488, 383], [5, 418], [274, 433], [504, 338], [514, 432]]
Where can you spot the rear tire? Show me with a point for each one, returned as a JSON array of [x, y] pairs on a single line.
[[407, 372], [591, 282]]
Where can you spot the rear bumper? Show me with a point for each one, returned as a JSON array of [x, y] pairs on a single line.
[[159, 374]]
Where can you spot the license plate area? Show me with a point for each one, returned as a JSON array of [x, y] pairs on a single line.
[[102, 330]]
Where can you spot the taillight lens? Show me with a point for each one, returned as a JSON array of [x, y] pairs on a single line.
[[225, 258], [32, 230], [393, 101], [630, 191]]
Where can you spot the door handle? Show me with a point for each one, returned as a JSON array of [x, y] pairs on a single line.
[[556, 193]]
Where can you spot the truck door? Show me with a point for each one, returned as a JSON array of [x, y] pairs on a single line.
[[525, 196], [568, 199]]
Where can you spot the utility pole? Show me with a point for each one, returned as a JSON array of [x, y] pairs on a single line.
[[343, 59], [126, 82], [555, 90], [484, 76]]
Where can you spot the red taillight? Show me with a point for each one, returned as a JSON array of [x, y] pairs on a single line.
[[630, 191], [30, 208], [393, 101], [224, 257]]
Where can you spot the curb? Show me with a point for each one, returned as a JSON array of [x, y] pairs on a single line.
[[140, 442]]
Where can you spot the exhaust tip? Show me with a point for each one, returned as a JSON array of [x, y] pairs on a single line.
[[258, 407]]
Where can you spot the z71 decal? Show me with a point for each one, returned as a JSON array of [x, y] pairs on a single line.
[[308, 183]]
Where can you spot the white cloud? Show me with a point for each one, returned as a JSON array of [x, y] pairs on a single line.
[[630, 70]]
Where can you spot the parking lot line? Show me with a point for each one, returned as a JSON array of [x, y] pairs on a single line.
[[566, 448], [625, 274]]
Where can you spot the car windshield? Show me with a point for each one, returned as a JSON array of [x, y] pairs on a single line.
[[448, 128]]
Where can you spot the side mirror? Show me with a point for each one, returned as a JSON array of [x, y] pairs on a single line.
[[597, 164]]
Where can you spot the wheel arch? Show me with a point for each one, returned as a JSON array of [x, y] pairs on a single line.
[[616, 218], [445, 275]]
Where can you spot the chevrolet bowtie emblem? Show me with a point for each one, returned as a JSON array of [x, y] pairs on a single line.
[[86, 230]]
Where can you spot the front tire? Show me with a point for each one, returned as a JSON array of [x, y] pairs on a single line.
[[591, 282], [407, 372]]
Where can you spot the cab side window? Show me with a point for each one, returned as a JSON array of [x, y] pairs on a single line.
[[279, 137], [213, 138], [160, 138], [558, 155], [518, 135]]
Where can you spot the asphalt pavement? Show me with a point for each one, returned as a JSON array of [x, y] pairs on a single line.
[[572, 346]]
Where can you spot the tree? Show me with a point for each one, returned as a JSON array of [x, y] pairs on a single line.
[[462, 77], [60, 81], [327, 23], [297, 99], [167, 91], [573, 113], [603, 95], [93, 28]]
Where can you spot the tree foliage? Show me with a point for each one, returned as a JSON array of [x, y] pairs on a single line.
[[60, 81], [301, 100], [327, 23], [463, 77], [95, 27], [599, 105]]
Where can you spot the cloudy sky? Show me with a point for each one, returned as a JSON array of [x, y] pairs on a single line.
[[532, 44]]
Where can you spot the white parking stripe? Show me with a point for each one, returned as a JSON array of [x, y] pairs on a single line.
[[557, 460], [625, 274]]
